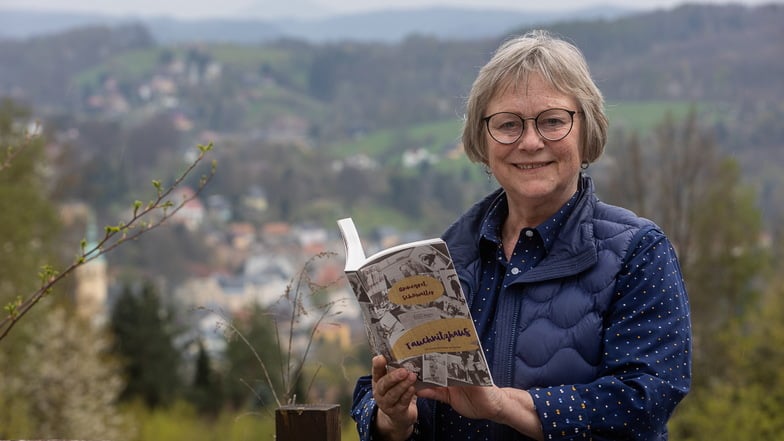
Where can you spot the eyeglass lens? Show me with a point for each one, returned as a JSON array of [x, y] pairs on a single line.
[[551, 124]]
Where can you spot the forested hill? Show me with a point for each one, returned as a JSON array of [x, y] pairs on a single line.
[[119, 86], [696, 52], [692, 52], [41, 71]]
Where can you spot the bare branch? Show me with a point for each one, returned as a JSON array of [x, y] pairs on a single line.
[[114, 237]]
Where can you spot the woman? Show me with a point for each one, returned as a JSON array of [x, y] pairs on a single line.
[[580, 305]]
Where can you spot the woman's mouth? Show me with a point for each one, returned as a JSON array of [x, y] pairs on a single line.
[[531, 166]]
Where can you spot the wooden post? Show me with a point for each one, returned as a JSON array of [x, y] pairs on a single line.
[[308, 422]]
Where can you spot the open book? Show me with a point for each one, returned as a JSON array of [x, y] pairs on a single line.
[[414, 310]]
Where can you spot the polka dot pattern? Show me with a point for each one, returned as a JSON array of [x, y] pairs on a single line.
[[644, 366]]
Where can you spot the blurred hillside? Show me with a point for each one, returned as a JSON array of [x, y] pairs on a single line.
[[322, 130]]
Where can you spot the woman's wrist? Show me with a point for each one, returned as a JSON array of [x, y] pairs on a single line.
[[519, 412], [389, 431]]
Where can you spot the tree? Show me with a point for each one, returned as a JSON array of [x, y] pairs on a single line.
[[28, 221], [144, 340], [28, 228], [146, 143], [749, 399], [67, 357], [206, 392], [63, 384], [726, 265], [243, 380], [668, 178], [696, 194]]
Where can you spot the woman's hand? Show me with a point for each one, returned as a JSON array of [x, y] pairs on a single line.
[[474, 402], [509, 406], [396, 399]]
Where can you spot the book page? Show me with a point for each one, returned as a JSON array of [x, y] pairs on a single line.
[[355, 254]]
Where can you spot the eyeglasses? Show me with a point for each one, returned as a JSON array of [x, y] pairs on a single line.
[[551, 124]]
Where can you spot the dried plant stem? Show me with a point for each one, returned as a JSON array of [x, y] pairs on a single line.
[[290, 369]]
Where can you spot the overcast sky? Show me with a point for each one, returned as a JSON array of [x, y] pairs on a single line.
[[192, 9]]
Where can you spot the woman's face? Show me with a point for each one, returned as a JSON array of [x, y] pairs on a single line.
[[537, 174]]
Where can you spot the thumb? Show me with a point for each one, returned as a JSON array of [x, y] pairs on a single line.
[[379, 367]]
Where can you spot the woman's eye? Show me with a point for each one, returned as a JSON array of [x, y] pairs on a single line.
[[508, 124], [553, 122]]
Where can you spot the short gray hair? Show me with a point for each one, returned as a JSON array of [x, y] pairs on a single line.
[[561, 64]]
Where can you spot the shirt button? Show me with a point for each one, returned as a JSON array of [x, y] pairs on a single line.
[[529, 233], [515, 271]]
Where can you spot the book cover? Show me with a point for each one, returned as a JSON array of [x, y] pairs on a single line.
[[414, 310]]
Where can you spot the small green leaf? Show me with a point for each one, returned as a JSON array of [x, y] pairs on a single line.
[[12, 308]]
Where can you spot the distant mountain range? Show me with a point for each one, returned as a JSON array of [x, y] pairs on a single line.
[[383, 26]]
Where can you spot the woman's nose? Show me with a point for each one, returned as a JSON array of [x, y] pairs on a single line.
[[530, 138]]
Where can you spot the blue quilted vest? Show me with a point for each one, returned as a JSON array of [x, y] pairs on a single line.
[[550, 326]]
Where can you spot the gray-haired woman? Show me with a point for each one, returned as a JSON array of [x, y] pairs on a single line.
[[580, 306]]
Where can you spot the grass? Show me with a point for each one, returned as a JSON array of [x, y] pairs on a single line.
[[244, 57], [181, 422], [132, 64], [275, 101], [431, 136], [643, 116], [284, 62]]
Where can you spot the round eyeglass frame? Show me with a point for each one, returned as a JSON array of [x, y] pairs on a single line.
[[535, 119]]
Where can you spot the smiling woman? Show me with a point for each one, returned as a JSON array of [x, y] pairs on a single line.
[[580, 306]]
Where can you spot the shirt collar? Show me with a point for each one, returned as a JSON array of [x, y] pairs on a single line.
[[547, 230]]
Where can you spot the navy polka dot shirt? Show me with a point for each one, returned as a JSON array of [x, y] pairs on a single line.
[[647, 331]]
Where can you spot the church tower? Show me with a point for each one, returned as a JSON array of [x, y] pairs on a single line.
[[92, 283]]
